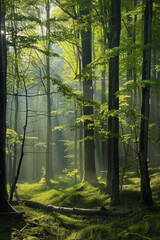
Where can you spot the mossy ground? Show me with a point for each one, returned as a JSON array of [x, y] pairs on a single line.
[[38, 225]]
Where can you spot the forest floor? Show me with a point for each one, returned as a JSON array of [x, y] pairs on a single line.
[[142, 224]]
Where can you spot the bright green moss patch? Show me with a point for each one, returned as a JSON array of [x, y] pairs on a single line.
[[97, 232], [82, 195]]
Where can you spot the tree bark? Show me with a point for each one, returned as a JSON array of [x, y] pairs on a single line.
[[89, 146], [103, 101], [49, 167], [113, 122], [80, 113], [75, 141], [16, 115], [146, 194]]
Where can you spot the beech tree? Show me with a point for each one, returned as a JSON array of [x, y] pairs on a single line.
[[49, 168], [113, 102], [146, 194], [89, 147]]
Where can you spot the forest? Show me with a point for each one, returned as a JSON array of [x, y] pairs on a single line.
[[79, 120]]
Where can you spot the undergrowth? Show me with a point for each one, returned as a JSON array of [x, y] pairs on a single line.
[[143, 224]]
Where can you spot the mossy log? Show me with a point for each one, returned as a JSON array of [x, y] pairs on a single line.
[[78, 211]]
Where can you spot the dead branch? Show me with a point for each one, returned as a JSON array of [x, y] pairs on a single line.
[[77, 211]]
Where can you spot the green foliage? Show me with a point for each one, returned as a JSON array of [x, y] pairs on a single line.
[[68, 173], [68, 91], [131, 85], [12, 138]]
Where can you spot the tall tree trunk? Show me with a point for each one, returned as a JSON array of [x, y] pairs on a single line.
[[135, 102], [16, 115], [49, 168], [103, 4], [80, 131], [103, 101], [97, 142], [80, 112], [113, 124], [130, 72], [146, 194], [89, 147], [75, 140], [4, 205]]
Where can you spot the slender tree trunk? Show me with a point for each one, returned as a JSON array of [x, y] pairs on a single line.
[[146, 194], [89, 147], [113, 124], [16, 115], [130, 35], [80, 113], [75, 140], [135, 102], [49, 168], [97, 142], [103, 101], [134, 69], [11, 147], [4, 205], [81, 144], [104, 20]]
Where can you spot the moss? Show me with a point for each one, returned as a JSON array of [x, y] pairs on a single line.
[[151, 224], [143, 224], [40, 225], [82, 195], [125, 235], [96, 232]]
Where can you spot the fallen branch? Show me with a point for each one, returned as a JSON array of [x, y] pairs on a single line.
[[78, 211]]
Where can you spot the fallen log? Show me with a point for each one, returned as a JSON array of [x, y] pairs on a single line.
[[77, 211]]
